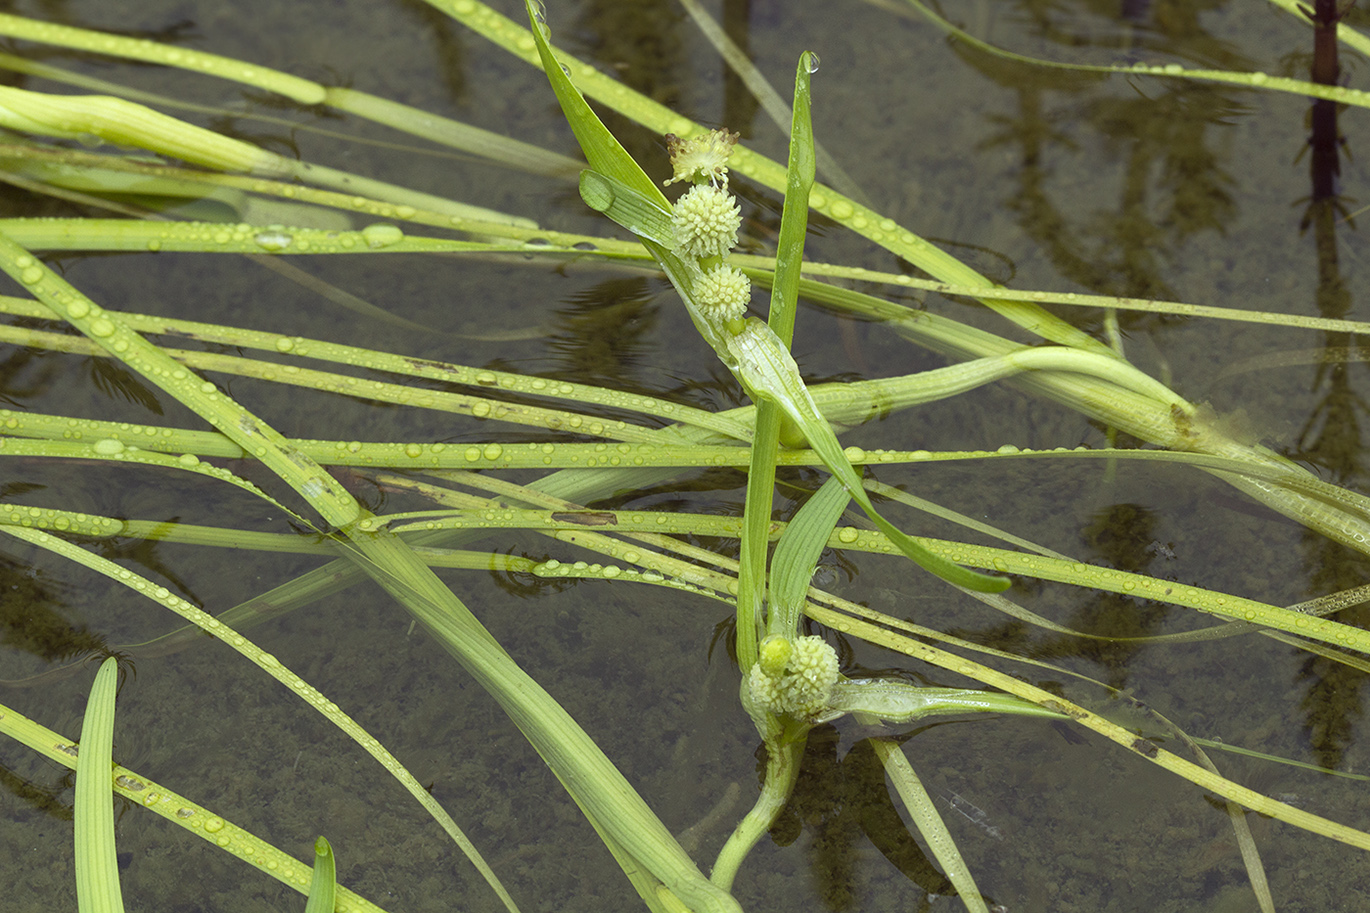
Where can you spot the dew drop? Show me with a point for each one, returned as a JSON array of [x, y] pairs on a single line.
[[101, 327], [31, 275], [811, 62], [847, 534], [108, 447], [78, 309], [381, 235], [273, 240]]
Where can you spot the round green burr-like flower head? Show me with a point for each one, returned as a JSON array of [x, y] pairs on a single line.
[[724, 292], [804, 688], [706, 221]]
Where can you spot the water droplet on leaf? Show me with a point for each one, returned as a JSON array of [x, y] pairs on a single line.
[[381, 235]]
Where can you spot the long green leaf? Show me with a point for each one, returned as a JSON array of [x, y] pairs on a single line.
[[97, 868], [751, 578], [602, 149], [794, 218], [797, 553], [324, 884], [929, 822]]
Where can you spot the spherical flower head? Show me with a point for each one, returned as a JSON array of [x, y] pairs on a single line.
[[706, 221], [702, 157], [723, 292], [804, 689]]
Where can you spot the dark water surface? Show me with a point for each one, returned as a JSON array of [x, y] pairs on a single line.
[[1064, 182]]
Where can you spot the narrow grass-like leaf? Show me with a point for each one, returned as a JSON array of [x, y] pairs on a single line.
[[301, 90], [794, 218], [797, 553], [324, 884], [757, 269], [602, 149], [757, 510], [178, 810], [212, 237], [128, 123], [1262, 81], [929, 823], [97, 868]]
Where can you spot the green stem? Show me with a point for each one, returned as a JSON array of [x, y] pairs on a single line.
[[783, 756]]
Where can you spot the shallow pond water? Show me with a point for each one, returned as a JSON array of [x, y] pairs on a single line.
[[1066, 182]]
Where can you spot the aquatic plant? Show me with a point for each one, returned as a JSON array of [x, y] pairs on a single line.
[[550, 482]]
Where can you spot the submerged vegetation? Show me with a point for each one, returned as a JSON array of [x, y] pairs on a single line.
[[790, 556]]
